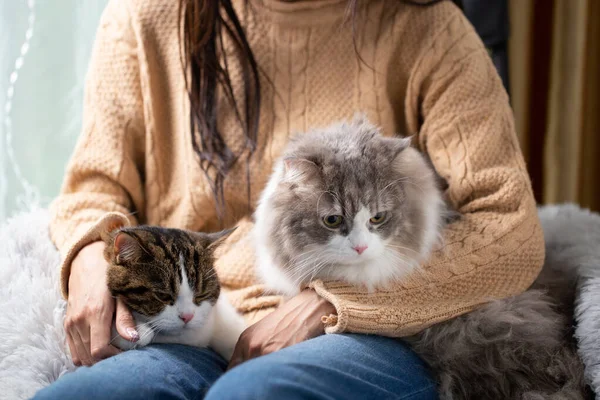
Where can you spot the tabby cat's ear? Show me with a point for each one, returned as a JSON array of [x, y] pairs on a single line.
[[217, 238], [126, 248]]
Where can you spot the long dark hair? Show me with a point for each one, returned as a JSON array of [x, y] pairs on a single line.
[[203, 27], [204, 24]]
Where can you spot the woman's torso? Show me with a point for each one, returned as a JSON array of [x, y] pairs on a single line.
[[311, 76]]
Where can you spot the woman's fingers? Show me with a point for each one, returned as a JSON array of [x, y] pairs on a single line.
[[238, 356], [100, 347], [81, 337], [125, 322], [73, 349], [100, 330], [73, 326], [100, 339], [297, 320], [90, 307]]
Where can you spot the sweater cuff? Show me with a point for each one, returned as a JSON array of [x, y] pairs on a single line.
[[333, 323], [83, 236], [356, 315]]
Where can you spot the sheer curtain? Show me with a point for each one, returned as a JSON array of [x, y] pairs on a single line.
[[45, 47]]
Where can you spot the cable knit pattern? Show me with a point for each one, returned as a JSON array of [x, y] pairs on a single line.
[[424, 72]]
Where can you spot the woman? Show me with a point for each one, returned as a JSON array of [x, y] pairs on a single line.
[[193, 150]]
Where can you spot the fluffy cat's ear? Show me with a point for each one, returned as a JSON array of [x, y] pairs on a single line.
[[126, 248], [296, 168], [215, 239], [397, 145]]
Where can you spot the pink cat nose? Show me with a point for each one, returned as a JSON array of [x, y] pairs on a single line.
[[186, 317], [360, 249]]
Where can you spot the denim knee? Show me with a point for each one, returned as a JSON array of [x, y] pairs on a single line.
[[157, 371], [259, 379], [85, 384], [331, 366]]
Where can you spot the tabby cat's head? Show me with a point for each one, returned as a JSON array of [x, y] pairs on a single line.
[[164, 274]]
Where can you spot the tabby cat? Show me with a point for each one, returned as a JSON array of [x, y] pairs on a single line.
[[166, 278]]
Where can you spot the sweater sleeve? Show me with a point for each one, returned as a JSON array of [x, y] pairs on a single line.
[[103, 186], [496, 249]]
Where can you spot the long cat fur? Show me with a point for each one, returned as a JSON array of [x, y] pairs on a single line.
[[515, 348]]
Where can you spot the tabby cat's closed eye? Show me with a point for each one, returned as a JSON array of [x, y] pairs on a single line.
[[164, 297]]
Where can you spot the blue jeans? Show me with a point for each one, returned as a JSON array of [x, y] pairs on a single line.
[[328, 367]]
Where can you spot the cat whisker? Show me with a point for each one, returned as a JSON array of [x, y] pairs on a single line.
[[295, 258], [132, 213], [399, 255], [328, 262], [397, 246], [337, 198], [212, 274], [308, 274], [319, 200], [302, 278], [154, 324], [307, 259], [317, 270], [389, 185], [404, 179], [300, 272], [144, 336], [113, 339], [410, 182], [396, 258]]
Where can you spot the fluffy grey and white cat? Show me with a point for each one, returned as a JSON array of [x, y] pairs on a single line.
[[346, 203]]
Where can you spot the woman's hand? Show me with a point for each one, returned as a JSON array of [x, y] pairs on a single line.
[[91, 308], [297, 320]]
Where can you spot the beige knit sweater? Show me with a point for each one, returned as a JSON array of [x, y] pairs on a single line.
[[426, 73]]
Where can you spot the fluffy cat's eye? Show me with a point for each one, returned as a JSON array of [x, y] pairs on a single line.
[[164, 297], [378, 218], [333, 221]]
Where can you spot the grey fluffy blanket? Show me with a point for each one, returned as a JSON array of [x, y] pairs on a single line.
[[32, 341]]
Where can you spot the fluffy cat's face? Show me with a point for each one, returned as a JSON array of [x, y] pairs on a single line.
[[166, 276], [347, 203]]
